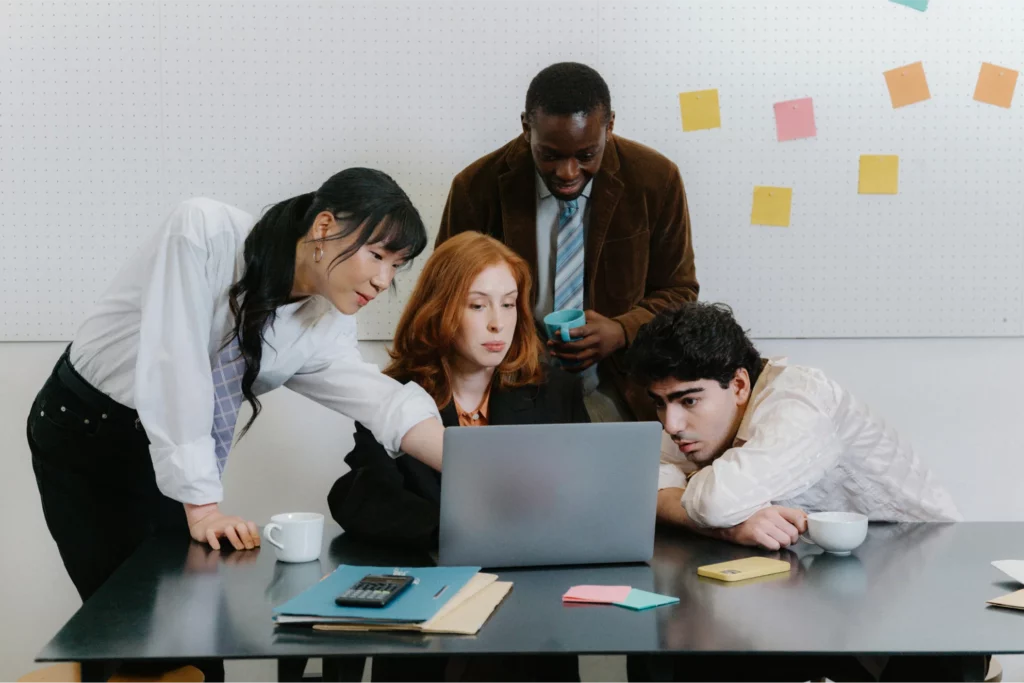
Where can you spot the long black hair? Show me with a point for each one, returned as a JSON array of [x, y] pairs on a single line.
[[367, 203]]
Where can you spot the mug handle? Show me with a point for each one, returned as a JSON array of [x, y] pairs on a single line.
[[806, 539], [564, 330], [266, 534]]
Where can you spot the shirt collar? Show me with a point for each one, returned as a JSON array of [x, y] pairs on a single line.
[[483, 411], [770, 369], [543, 192]]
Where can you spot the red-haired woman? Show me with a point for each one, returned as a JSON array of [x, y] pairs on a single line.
[[467, 337]]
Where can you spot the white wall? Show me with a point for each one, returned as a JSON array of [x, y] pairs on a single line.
[[957, 400]]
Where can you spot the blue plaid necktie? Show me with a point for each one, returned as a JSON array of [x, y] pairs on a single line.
[[228, 368], [569, 259]]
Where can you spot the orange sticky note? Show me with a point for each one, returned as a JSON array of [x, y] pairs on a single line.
[[995, 85], [700, 110], [879, 174], [907, 85], [772, 206]]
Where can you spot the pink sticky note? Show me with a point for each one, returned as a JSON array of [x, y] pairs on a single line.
[[795, 119], [600, 594]]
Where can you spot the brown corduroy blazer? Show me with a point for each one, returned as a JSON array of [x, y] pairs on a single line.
[[639, 253]]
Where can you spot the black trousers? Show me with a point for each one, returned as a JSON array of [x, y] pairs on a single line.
[[96, 482]]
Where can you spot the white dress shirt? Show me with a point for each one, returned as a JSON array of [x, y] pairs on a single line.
[[150, 341], [805, 442]]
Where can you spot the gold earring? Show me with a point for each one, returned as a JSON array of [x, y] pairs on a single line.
[[318, 253]]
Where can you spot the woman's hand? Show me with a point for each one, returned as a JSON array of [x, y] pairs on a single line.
[[207, 524]]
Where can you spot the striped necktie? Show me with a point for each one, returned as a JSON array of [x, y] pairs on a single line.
[[228, 368], [569, 259]]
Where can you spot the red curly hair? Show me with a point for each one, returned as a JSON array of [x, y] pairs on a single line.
[[424, 344]]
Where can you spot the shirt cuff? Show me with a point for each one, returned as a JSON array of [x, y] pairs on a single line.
[[671, 477], [632, 320], [188, 472], [408, 407]]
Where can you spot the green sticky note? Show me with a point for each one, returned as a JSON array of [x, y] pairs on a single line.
[[641, 600], [919, 5]]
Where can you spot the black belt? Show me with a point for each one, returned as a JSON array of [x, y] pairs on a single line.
[[91, 396]]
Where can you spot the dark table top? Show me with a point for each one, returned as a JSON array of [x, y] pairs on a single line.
[[916, 588]]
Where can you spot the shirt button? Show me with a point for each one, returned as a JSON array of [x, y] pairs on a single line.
[[63, 409], [104, 416], [86, 422]]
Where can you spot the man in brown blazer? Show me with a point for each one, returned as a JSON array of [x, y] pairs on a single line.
[[584, 206]]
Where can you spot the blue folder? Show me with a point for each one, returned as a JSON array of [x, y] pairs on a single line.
[[433, 587]]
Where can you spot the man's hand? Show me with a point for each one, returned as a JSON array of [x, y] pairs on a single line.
[[598, 339], [772, 528], [207, 524]]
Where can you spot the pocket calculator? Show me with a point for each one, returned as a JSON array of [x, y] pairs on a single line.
[[374, 591]]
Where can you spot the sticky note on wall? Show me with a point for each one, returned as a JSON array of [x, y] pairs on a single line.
[[772, 206], [996, 85], [879, 174], [907, 85], [919, 5], [794, 119], [700, 110]]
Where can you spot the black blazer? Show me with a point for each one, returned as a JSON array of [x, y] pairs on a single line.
[[397, 501]]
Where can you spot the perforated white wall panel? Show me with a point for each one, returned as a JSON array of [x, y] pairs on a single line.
[[111, 112]]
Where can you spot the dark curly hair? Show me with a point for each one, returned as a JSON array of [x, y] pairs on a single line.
[[568, 88], [696, 341]]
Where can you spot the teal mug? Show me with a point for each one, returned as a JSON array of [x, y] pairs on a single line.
[[559, 323]]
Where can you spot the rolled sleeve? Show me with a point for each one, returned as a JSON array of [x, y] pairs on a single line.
[[173, 386], [670, 477], [792, 445], [342, 381], [187, 473]]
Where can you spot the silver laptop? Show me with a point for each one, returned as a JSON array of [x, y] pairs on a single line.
[[516, 496]]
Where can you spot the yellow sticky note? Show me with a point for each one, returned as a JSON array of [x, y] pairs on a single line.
[[996, 85], [879, 174], [907, 85], [772, 206], [700, 110]]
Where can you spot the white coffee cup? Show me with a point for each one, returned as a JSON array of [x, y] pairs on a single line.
[[300, 536], [836, 532]]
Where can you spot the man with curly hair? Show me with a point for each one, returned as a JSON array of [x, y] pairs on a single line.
[[752, 445]]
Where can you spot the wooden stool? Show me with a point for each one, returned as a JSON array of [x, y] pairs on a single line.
[[995, 671], [72, 671]]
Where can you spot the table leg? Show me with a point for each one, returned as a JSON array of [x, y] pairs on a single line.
[[291, 668], [97, 671], [650, 667], [975, 668], [347, 669]]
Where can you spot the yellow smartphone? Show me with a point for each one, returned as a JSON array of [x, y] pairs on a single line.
[[740, 570]]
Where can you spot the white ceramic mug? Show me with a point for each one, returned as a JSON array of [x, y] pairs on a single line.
[[299, 538], [836, 532]]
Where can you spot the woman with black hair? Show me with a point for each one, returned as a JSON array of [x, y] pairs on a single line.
[[137, 418]]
